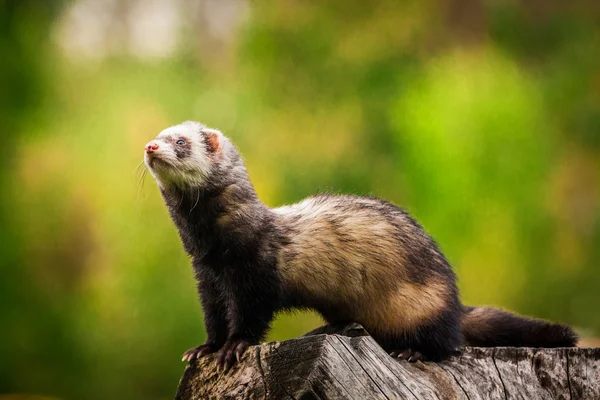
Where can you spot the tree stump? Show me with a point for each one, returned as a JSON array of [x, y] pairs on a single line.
[[346, 363]]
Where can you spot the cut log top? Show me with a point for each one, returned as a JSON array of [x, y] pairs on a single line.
[[348, 364]]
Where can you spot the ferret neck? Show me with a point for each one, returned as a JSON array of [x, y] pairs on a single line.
[[209, 217]]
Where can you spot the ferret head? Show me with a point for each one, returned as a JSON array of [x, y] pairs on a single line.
[[185, 155]]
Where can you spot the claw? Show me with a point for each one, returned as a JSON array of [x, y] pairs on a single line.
[[240, 349], [231, 352], [416, 356], [409, 354], [198, 352]]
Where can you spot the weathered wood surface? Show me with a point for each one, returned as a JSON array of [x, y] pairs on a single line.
[[350, 365]]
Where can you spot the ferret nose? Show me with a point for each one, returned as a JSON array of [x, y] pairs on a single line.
[[151, 147]]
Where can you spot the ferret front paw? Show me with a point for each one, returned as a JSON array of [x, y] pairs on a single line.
[[230, 352], [199, 352]]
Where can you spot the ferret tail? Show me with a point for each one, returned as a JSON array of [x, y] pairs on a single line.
[[489, 327]]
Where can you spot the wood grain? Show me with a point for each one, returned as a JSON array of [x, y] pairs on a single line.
[[346, 363]]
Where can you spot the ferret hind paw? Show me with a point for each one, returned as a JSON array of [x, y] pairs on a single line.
[[407, 354]]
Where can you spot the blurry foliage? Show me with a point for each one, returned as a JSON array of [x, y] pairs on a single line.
[[482, 120]]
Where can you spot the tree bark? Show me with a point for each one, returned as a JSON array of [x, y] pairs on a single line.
[[350, 365]]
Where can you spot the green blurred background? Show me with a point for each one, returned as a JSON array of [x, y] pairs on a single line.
[[482, 118]]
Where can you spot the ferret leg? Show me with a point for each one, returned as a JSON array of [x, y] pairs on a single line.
[[215, 322], [250, 314], [437, 340]]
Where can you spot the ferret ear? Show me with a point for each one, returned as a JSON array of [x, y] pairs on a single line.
[[212, 139]]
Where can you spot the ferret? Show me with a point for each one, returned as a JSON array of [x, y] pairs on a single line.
[[350, 258]]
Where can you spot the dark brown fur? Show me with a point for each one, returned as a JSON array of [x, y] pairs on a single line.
[[489, 327]]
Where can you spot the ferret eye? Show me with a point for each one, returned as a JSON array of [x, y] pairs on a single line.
[[181, 142]]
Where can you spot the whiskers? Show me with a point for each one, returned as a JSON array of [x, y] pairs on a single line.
[[197, 199], [185, 194], [140, 171]]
